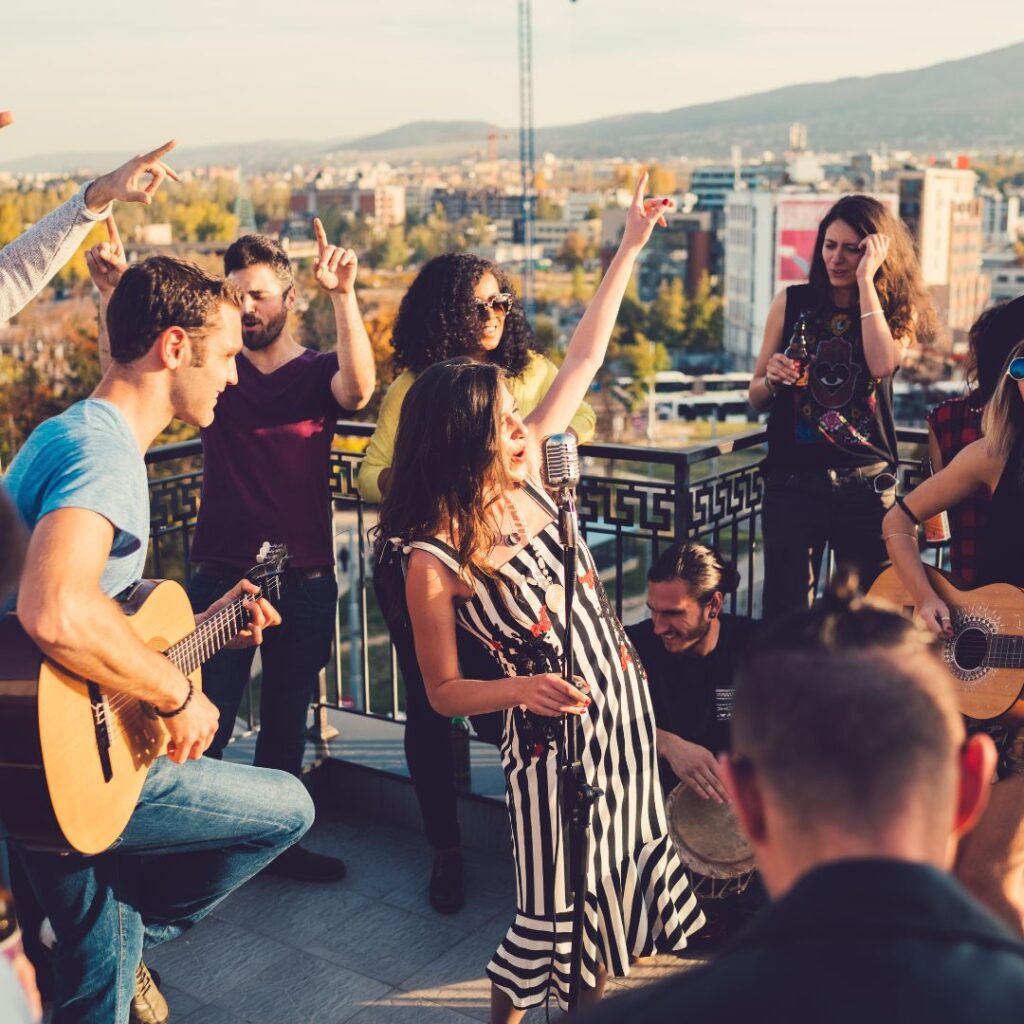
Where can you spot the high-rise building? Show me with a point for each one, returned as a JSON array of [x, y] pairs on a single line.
[[944, 214]]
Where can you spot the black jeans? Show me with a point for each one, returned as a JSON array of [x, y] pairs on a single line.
[[428, 735], [805, 509], [292, 655]]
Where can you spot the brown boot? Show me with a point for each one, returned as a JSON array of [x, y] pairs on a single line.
[[148, 1004]]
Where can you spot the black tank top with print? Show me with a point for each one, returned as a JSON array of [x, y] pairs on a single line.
[[844, 416]]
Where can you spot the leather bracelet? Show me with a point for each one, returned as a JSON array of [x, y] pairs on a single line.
[[772, 391], [906, 511], [178, 710]]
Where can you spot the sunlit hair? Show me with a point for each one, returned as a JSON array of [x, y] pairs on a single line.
[[901, 289], [701, 568], [992, 336], [259, 250], [1002, 422], [848, 714], [438, 317], [447, 472]]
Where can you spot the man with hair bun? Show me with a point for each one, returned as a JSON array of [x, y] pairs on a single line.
[[853, 780]]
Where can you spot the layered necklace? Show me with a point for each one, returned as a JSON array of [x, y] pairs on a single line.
[[554, 593]]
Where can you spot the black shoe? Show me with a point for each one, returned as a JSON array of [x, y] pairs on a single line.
[[302, 865], [446, 891]]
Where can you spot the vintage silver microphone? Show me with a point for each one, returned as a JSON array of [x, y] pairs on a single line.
[[560, 468]]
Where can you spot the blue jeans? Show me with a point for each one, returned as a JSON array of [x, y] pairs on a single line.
[[198, 832], [292, 655]]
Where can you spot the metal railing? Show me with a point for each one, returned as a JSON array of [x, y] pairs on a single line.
[[633, 501]]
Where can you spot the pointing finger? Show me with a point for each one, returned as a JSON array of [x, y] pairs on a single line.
[[6, 118], [113, 234], [157, 153], [638, 192], [321, 235], [170, 172]]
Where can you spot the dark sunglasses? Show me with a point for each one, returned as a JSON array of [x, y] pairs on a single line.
[[500, 303], [1016, 368]]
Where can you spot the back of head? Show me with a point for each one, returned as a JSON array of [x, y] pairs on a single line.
[[160, 293], [849, 718], [438, 317], [257, 250], [994, 335]]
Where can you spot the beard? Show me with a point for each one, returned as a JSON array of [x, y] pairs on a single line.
[[684, 643], [254, 340]]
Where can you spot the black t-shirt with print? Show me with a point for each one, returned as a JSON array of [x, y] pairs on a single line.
[[692, 694]]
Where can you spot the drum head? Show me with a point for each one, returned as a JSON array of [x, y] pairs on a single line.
[[707, 835]]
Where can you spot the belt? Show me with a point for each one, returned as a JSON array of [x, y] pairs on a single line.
[[313, 572], [880, 475]]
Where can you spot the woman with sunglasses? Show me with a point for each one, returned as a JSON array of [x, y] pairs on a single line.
[[468, 517], [830, 470], [956, 423], [458, 305], [991, 859]]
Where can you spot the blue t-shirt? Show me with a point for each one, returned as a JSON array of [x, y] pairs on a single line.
[[87, 457]]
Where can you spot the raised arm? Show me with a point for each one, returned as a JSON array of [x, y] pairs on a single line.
[[972, 468], [881, 349], [589, 343], [335, 270], [31, 260], [106, 264], [431, 590]]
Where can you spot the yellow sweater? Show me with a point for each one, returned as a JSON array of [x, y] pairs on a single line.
[[527, 389]]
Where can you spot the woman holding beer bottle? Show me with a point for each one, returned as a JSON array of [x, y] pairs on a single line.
[[831, 348]]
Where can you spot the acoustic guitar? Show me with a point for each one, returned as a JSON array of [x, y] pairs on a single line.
[[74, 756], [985, 654]]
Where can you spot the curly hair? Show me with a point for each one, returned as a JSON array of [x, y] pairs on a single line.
[[438, 317], [901, 289], [992, 336]]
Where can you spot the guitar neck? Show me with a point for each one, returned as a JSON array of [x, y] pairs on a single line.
[[191, 651], [1005, 651]]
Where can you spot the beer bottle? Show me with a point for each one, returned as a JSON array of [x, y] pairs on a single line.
[[798, 352], [460, 753], [935, 528]]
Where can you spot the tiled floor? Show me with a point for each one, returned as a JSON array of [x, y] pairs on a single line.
[[366, 950]]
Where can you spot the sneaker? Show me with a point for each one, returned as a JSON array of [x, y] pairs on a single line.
[[148, 1004], [446, 890], [302, 865]]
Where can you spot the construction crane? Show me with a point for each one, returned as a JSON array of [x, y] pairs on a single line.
[[527, 164]]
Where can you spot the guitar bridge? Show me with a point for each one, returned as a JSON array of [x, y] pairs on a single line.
[[101, 728]]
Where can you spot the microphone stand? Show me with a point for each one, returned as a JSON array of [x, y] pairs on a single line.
[[578, 796]]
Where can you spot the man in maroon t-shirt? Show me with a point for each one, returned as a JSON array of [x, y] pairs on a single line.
[[266, 477]]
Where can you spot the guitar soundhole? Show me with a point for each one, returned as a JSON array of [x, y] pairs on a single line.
[[970, 649]]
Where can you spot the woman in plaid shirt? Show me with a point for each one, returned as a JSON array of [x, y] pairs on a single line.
[[956, 422]]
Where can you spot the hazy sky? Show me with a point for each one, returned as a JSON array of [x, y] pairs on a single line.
[[113, 75]]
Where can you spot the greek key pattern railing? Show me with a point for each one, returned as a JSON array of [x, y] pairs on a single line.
[[632, 503]]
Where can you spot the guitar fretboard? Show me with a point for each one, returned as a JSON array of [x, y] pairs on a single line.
[[216, 632], [1003, 651]]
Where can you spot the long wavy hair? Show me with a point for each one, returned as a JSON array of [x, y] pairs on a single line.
[[1002, 422], [901, 289], [438, 317], [446, 474], [993, 335]]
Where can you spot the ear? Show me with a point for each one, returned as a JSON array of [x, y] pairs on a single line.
[[977, 765], [745, 796], [289, 298], [715, 604], [172, 347]]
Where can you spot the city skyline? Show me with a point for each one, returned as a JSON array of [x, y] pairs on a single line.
[[206, 75]]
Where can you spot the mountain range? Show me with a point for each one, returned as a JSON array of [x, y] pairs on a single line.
[[967, 104]]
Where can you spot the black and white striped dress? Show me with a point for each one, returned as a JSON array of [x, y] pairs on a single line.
[[638, 897]]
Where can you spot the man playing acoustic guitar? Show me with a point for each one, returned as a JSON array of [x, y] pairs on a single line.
[[201, 827]]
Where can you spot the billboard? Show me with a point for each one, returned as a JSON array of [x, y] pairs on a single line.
[[796, 228]]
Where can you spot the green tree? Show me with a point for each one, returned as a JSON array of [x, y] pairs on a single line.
[[705, 320], [642, 359], [574, 251], [390, 251], [666, 318], [662, 181], [548, 209], [581, 290]]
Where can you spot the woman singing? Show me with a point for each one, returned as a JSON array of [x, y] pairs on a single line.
[[484, 559], [831, 436]]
